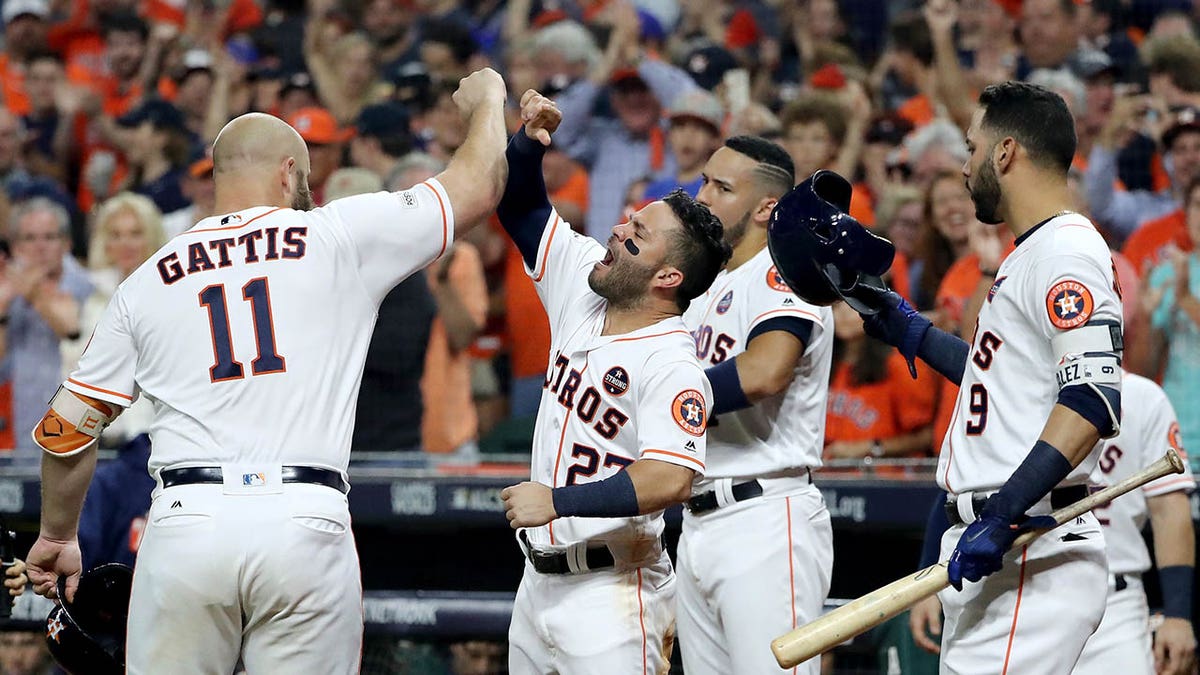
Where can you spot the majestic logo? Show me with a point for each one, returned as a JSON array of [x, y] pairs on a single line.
[[1069, 304], [254, 479], [776, 282], [690, 446], [616, 381], [688, 411], [995, 288], [726, 301]]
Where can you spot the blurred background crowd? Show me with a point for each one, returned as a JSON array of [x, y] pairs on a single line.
[[110, 108]]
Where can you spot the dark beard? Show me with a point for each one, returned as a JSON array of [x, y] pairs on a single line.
[[623, 286], [303, 199], [986, 195], [734, 233]]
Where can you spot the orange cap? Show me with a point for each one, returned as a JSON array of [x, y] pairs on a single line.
[[317, 126]]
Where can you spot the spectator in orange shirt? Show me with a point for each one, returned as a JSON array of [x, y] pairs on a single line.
[[120, 83], [876, 408], [912, 65], [1154, 240], [944, 235], [822, 129], [25, 31]]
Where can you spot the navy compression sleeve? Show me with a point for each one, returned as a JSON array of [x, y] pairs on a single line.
[[525, 207]]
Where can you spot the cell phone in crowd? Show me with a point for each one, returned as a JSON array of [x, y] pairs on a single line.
[[737, 89]]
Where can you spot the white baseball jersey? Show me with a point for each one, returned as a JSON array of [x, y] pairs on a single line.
[[249, 331], [781, 432], [1148, 429], [1059, 277], [608, 400]]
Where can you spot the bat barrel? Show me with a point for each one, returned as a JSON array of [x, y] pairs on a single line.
[[857, 616]]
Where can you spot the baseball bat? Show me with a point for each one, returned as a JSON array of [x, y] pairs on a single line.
[[872, 609]]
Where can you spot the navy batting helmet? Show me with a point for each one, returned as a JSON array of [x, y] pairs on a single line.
[[87, 635], [822, 253]]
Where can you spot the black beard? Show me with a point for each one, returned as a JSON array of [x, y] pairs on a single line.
[[986, 195], [303, 199], [623, 286]]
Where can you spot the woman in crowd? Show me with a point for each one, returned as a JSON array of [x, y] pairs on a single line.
[[128, 230]]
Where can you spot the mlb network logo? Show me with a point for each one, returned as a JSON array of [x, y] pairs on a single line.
[[254, 479]]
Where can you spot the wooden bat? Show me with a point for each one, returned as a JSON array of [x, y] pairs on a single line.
[[872, 609]]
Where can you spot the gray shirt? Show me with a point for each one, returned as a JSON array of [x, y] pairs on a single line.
[[614, 157], [33, 354]]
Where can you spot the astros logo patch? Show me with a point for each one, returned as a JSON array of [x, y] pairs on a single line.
[[53, 628], [616, 381], [1175, 439], [726, 301], [1069, 304], [688, 411], [776, 282]]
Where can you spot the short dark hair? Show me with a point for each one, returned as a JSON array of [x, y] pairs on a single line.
[[816, 106], [454, 35], [123, 22], [776, 170], [1036, 117], [910, 33], [1177, 57], [700, 250]]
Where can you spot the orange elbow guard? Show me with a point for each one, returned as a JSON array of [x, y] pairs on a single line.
[[72, 423]]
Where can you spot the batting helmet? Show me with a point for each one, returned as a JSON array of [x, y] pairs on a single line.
[[87, 635], [822, 252]]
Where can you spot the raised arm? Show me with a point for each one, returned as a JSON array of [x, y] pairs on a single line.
[[474, 179], [525, 207]]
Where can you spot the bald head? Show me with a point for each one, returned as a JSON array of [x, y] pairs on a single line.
[[257, 141], [259, 160]]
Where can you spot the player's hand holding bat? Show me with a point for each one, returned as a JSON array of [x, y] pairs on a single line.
[[982, 546], [540, 115], [528, 504], [50, 559]]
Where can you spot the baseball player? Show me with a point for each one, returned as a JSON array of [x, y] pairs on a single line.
[[620, 431], [756, 554], [248, 333], [1122, 643], [1043, 372]]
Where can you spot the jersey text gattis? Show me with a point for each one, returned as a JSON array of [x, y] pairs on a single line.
[[251, 247]]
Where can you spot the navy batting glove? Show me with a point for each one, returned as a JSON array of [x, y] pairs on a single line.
[[981, 548], [898, 324]]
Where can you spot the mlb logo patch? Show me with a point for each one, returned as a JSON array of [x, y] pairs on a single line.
[[232, 219], [254, 479], [726, 301]]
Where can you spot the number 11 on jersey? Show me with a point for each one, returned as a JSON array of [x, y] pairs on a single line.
[[226, 367]]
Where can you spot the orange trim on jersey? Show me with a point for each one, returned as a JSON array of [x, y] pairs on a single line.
[[541, 272], [642, 620], [801, 312], [647, 337], [1012, 632], [445, 221], [1163, 488], [234, 227], [791, 566], [676, 455], [102, 391], [558, 458]]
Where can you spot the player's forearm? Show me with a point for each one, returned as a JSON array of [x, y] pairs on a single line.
[[479, 168], [659, 484], [646, 486], [1174, 534], [524, 207], [64, 484], [944, 352], [1070, 434]]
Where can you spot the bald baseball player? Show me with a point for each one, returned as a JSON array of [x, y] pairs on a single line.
[[1040, 384], [756, 555], [620, 431], [248, 333]]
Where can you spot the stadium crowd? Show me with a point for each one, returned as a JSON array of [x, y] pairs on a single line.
[[109, 107]]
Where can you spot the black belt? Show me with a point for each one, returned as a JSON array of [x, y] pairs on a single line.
[[290, 474], [1121, 583], [597, 558], [1059, 498], [707, 501]]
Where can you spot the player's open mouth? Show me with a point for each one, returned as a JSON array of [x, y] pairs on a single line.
[[608, 258]]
